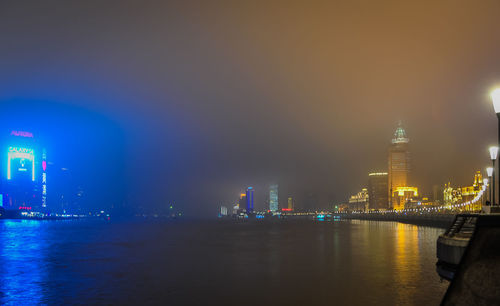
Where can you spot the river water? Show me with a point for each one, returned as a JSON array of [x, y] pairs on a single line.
[[218, 263]]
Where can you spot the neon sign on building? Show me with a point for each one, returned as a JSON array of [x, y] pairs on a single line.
[[22, 134], [44, 178], [23, 155]]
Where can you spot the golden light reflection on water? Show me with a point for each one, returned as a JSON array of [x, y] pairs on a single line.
[[407, 259], [394, 257]]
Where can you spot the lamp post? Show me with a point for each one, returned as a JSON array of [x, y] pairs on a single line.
[[485, 182], [493, 155], [489, 171], [495, 97]]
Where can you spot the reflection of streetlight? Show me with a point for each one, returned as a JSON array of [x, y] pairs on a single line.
[[489, 171], [493, 156]]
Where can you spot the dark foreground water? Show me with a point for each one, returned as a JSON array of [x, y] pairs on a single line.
[[214, 263]]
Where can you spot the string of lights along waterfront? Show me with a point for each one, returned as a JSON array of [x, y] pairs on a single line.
[[387, 191]]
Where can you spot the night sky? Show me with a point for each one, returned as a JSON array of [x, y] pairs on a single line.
[[150, 102]]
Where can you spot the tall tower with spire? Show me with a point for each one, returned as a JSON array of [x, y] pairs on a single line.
[[399, 165]]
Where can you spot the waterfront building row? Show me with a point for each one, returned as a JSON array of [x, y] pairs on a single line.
[[393, 190]]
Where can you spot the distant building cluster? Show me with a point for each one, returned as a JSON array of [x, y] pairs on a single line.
[[245, 205], [26, 177], [393, 190], [390, 190]]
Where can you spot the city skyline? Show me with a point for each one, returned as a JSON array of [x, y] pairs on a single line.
[[220, 103], [389, 190], [249, 152], [400, 137]]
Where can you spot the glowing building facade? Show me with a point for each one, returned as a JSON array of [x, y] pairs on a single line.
[[399, 168], [359, 201], [453, 196], [377, 191], [273, 198], [290, 204], [403, 195], [44, 178], [250, 200], [242, 204], [24, 179], [223, 211]]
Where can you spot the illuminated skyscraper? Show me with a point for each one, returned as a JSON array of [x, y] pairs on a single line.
[[290, 204], [44, 178], [399, 163], [273, 198], [250, 199], [242, 204], [23, 182], [377, 190], [223, 211]]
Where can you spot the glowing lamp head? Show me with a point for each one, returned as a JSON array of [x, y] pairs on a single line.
[[495, 97], [489, 171], [493, 152]]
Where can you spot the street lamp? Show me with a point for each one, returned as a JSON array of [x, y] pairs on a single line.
[[489, 171], [495, 97], [485, 182], [493, 156]]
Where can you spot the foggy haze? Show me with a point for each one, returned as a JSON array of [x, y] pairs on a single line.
[[153, 102]]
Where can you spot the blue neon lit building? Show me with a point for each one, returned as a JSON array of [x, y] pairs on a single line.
[[23, 172], [250, 199]]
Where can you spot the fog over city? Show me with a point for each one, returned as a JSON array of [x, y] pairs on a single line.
[[190, 102]]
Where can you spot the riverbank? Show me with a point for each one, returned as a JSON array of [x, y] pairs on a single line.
[[433, 220]]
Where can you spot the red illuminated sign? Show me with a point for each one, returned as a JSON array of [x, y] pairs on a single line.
[[24, 207], [286, 209]]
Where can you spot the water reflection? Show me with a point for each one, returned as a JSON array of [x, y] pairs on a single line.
[[392, 261], [307, 263], [22, 256], [407, 260]]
